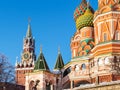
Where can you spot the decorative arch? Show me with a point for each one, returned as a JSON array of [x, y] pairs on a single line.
[[105, 9], [31, 85], [77, 37]]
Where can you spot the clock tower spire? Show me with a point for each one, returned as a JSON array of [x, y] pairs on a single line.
[[27, 57], [28, 54]]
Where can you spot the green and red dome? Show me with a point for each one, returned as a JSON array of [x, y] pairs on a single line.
[[83, 15], [85, 20], [80, 10]]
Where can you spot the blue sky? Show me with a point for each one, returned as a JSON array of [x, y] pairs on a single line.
[[52, 25]]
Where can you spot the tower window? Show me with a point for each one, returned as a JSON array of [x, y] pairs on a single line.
[[26, 41], [105, 36]]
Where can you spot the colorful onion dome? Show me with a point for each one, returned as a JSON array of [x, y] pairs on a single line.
[[80, 10], [85, 20]]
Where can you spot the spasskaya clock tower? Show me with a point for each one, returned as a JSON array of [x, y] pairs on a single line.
[[27, 58]]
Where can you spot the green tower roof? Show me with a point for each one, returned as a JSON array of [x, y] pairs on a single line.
[[41, 63], [59, 63], [29, 33]]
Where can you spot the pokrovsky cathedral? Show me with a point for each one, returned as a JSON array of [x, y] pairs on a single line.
[[95, 48]]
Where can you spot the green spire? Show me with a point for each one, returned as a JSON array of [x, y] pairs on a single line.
[[59, 63], [41, 63], [29, 33]]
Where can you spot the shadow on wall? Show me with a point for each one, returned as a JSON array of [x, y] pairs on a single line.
[[79, 83]]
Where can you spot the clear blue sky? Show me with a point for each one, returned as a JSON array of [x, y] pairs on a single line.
[[52, 26]]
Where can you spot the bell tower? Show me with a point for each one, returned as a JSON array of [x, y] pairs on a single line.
[[26, 65]]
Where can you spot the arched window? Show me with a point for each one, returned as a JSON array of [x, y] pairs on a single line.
[[31, 41], [117, 35], [105, 36], [107, 61], [26, 41], [77, 68], [100, 62], [48, 85], [83, 66], [31, 85]]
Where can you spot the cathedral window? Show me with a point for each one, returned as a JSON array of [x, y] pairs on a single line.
[[83, 66], [107, 61], [105, 36], [77, 68], [100, 62]]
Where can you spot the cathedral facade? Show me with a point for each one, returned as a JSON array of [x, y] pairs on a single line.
[[95, 48]]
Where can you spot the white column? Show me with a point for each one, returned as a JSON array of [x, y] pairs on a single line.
[[72, 85], [51, 87]]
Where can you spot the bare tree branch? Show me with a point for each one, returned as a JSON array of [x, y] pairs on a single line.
[[6, 71]]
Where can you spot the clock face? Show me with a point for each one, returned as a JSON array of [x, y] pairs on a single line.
[[26, 56]]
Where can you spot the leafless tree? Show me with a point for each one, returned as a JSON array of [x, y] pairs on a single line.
[[6, 71]]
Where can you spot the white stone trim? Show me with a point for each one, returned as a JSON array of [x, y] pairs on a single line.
[[24, 68]]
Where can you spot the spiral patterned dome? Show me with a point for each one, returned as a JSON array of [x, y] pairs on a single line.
[[85, 20], [80, 10], [83, 15]]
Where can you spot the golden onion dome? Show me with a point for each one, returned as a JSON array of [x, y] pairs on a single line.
[[85, 20]]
